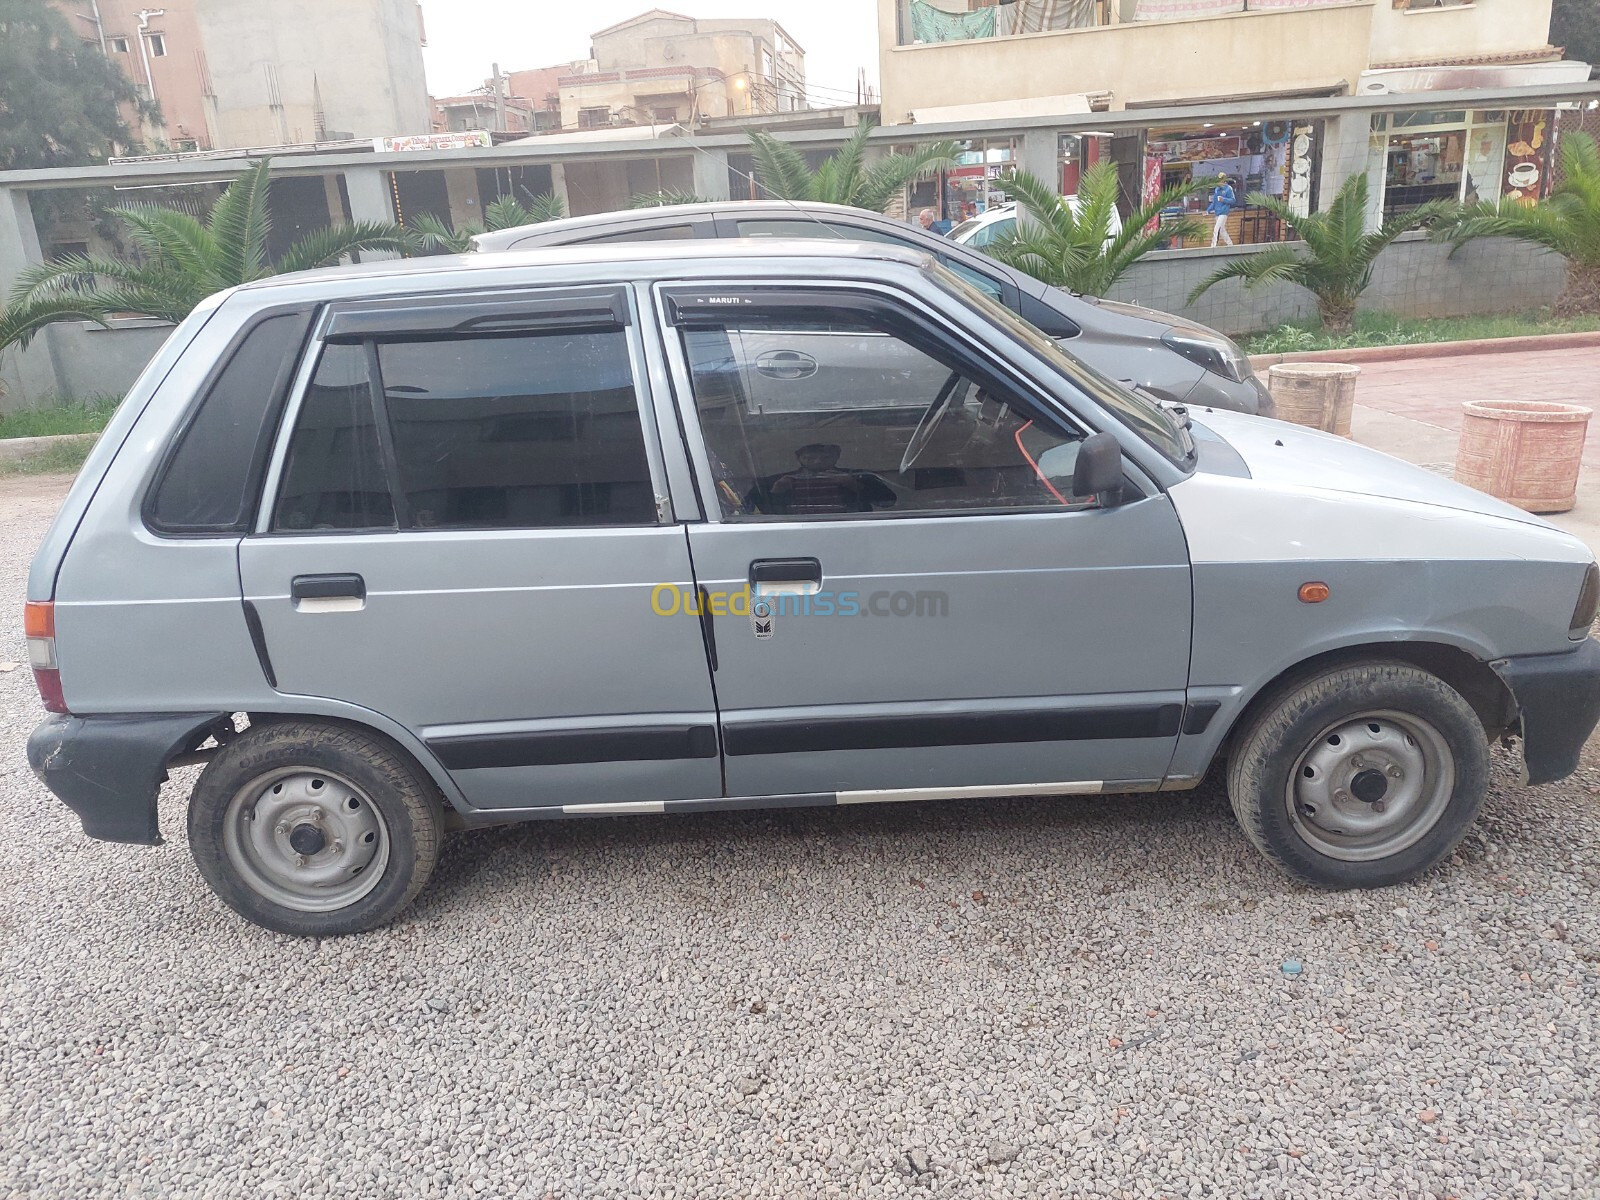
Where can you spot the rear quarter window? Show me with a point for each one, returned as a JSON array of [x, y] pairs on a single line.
[[210, 481]]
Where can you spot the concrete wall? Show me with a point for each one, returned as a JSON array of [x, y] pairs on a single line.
[[1237, 54], [87, 360], [1493, 27], [1414, 278]]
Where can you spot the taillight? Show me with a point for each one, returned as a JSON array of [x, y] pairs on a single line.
[[39, 627]]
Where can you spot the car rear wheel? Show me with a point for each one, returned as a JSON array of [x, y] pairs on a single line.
[[314, 829], [1361, 776]]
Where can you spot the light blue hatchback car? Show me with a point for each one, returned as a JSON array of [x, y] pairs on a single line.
[[424, 545]]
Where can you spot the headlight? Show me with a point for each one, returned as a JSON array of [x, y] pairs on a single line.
[[1588, 602], [1213, 352]]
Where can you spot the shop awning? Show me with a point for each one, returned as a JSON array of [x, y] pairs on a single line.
[[1451, 77]]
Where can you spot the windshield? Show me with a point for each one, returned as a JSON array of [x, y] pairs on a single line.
[[1160, 428]]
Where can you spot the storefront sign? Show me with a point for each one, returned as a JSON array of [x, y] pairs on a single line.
[[474, 139], [1527, 169]]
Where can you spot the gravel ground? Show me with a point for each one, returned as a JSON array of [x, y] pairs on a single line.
[[1040, 998]]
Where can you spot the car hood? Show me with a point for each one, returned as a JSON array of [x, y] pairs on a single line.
[[1277, 454]]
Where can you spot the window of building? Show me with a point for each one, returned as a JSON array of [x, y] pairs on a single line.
[[528, 431], [664, 114], [119, 45], [158, 44], [1460, 155], [827, 413], [594, 118]]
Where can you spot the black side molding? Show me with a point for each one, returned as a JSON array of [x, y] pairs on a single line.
[[556, 747], [951, 729], [1197, 716], [258, 639], [108, 769]]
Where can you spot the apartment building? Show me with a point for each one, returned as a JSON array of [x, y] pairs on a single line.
[[241, 73], [663, 67], [956, 61]]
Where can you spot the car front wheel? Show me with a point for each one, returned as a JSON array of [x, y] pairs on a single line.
[[314, 829], [1362, 776]]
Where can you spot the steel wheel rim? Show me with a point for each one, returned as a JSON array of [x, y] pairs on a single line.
[[306, 839], [1370, 786]]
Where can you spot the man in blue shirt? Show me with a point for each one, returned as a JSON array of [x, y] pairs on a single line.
[[1223, 202]]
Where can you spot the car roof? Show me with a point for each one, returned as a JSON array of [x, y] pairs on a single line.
[[625, 260], [499, 239]]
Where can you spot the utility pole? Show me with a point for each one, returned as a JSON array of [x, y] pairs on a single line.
[[499, 82]]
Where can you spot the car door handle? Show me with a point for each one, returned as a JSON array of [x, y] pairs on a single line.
[[328, 593], [793, 576], [786, 364]]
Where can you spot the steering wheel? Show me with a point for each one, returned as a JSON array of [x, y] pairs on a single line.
[[923, 434]]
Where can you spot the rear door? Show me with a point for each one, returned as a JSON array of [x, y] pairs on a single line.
[[465, 527]]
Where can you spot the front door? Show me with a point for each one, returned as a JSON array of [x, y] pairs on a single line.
[[465, 537], [933, 612]]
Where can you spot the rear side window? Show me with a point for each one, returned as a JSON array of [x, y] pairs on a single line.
[[334, 477], [526, 430], [210, 482], [520, 432]]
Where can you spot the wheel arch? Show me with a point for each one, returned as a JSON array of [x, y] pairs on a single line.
[[1469, 675]]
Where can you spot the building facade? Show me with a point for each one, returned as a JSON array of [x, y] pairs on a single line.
[[247, 73], [953, 61], [664, 68]]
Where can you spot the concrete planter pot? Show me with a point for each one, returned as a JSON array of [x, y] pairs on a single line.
[[1318, 395], [1526, 452]]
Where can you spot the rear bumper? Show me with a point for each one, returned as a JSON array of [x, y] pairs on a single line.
[[1558, 701], [108, 769]]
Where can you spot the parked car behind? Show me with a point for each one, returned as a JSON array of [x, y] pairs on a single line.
[[1000, 221], [1169, 357], [508, 537]]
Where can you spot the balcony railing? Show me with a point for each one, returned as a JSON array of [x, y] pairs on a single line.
[[929, 21]]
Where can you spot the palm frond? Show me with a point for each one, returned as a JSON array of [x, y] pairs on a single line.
[[1278, 262], [838, 180], [883, 179], [20, 322], [71, 273], [167, 235], [434, 234], [663, 199], [780, 169], [239, 223], [325, 247]]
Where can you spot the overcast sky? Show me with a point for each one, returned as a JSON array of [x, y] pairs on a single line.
[[465, 36]]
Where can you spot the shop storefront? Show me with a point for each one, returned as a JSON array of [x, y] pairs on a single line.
[[1277, 158], [971, 186], [1460, 155]]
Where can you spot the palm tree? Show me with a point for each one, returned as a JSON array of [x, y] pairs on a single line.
[[179, 261], [1078, 246], [1336, 262], [505, 213], [847, 177], [1567, 223]]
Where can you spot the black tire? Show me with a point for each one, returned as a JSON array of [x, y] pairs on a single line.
[[406, 810], [1298, 722]]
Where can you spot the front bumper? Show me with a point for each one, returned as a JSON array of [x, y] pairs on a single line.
[[108, 769], [1558, 701]]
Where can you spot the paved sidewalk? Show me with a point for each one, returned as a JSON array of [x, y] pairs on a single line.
[[1412, 409]]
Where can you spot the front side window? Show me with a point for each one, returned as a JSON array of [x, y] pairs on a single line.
[[508, 431], [824, 413]]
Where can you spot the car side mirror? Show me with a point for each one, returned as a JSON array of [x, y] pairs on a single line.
[[1098, 470]]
